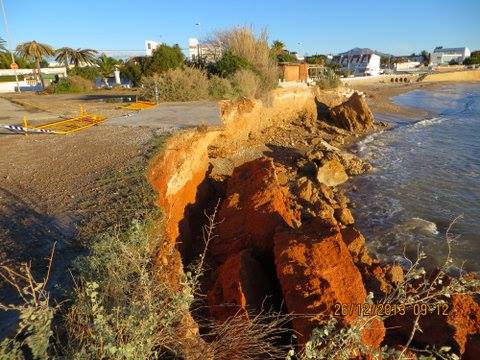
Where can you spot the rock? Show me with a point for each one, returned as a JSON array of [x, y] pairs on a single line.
[[323, 210], [344, 216], [341, 199], [241, 284], [352, 115], [306, 190], [459, 329], [331, 173], [327, 194], [255, 204], [316, 271], [356, 245]]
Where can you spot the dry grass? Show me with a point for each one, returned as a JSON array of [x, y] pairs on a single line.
[[187, 84], [242, 42], [249, 337]]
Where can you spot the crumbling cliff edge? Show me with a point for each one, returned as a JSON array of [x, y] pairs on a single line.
[[286, 239]]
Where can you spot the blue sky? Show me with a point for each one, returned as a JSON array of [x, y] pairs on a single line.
[[399, 27]]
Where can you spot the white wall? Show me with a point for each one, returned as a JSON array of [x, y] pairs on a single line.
[[48, 71], [11, 86]]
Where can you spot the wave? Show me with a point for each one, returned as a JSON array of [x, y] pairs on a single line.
[[428, 122], [421, 226]]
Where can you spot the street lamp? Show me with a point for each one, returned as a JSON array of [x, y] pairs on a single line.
[[199, 25], [13, 66]]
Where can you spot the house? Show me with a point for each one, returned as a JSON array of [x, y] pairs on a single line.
[[445, 56], [207, 52], [406, 65], [150, 45], [359, 62]]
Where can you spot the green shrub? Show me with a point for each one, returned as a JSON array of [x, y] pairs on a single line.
[[220, 88], [246, 84], [328, 80], [132, 72], [472, 60], [187, 84], [88, 72], [72, 84], [230, 63], [163, 58], [243, 43]]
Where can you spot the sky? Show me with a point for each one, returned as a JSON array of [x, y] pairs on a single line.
[[398, 27]]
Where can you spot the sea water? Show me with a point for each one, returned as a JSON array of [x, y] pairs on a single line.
[[426, 174]]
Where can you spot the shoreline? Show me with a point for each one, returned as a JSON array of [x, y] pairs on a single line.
[[380, 96], [398, 111]]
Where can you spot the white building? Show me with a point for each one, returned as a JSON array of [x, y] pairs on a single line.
[[359, 62], [443, 56], [150, 45], [407, 65], [207, 52]]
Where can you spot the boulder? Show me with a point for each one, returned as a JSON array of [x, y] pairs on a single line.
[[352, 115], [331, 173], [344, 216], [241, 285], [316, 271], [257, 202]]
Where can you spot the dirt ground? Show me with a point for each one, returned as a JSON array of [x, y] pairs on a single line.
[[63, 188]]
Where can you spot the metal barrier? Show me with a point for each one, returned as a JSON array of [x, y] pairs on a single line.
[[65, 126]]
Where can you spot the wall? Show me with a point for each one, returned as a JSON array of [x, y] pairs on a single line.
[[467, 75], [294, 72]]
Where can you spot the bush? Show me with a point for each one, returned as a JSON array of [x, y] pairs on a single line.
[[328, 80], [132, 72], [164, 58], [187, 84], [88, 72], [230, 63], [246, 84], [220, 88], [472, 60], [121, 311], [72, 84], [243, 43]]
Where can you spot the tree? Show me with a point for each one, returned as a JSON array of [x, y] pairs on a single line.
[[76, 57], [106, 66], [132, 71], [2, 45], [230, 63], [316, 59], [426, 57], [35, 51], [277, 48], [164, 57]]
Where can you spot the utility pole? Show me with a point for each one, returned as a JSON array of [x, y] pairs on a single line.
[[9, 44]]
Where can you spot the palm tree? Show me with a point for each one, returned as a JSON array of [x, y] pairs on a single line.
[[278, 47], [106, 66], [75, 56], [2, 45], [36, 51]]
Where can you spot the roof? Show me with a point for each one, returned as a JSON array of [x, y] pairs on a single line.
[[358, 51], [442, 49]]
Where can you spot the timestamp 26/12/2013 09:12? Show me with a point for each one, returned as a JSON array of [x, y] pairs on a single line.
[[387, 309]]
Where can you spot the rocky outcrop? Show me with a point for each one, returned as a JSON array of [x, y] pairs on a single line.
[[352, 115], [257, 202], [236, 290], [316, 271]]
